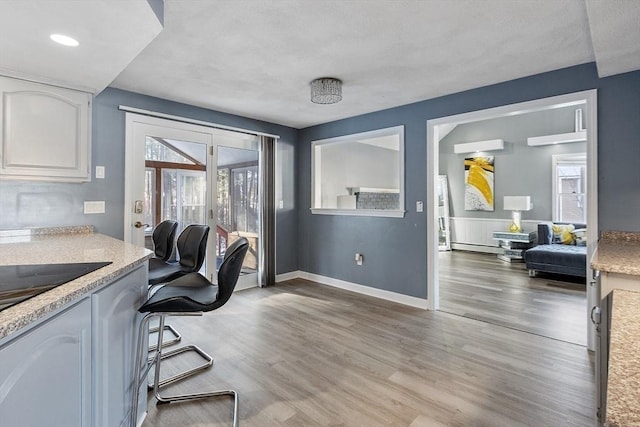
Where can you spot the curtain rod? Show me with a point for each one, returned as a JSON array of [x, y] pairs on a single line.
[[192, 121]]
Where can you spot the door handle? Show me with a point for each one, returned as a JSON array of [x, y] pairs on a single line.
[[138, 224]]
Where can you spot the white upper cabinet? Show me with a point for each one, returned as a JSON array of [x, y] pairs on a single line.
[[45, 131]]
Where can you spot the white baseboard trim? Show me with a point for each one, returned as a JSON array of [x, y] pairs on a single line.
[[476, 248], [354, 287], [297, 274]]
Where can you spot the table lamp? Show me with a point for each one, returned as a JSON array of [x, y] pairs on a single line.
[[517, 204]]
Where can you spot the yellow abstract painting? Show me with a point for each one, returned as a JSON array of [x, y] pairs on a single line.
[[478, 183]]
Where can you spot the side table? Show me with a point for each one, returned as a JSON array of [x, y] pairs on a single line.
[[514, 244]]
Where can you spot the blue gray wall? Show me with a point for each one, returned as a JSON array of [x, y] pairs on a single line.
[[395, 249], [520, 170], [32, 204]]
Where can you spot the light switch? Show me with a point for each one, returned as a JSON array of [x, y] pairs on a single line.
[[94, 207], [100, 172], [419, 206]]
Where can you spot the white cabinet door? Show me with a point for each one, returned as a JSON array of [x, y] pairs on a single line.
[[45, 132], [45, 374], [115, 319]]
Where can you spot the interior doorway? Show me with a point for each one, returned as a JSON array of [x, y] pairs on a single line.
[[438, 128], [194, 175]]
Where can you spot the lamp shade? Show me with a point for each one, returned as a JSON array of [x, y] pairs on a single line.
[[517, 203]]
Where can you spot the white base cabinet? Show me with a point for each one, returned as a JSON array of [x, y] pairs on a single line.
[[45, 374], [75, 369], [114, 316]]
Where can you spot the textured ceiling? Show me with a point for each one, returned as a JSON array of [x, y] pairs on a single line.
[[256, 58], [615, 34], [111, 34]]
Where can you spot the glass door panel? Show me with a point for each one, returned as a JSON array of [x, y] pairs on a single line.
[[238, 205], [175, 183], [192, 187]]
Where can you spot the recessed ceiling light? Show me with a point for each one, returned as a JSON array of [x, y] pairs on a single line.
[[64, 40]]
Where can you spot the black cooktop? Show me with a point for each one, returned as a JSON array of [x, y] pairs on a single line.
[[21, 282]]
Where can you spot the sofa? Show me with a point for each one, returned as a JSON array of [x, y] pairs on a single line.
[[550, 256]]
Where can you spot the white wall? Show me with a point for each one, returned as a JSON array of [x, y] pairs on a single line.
[[352, 164]]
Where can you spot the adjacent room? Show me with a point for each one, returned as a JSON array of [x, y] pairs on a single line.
[[483, 273], [303, 213]]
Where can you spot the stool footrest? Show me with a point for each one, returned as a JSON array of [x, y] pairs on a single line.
[[184, 374], [165, 343], [192, 396]]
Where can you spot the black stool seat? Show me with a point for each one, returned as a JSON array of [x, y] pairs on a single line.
[[192, 292], [161, 272], [156, 263], [192, 248]]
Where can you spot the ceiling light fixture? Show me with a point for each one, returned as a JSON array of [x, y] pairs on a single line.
[[64, 40], [326, 90]]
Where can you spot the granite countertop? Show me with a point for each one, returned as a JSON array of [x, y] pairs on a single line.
[[623, 392], [618, 252], [62, 245]]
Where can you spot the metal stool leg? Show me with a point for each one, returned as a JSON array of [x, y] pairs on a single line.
[[208, 360], [154, 329], [141, 374]]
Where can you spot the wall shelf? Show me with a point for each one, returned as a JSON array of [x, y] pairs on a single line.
[[561, 138], [354, 190]]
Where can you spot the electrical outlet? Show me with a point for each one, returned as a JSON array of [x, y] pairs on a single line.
[[419, 206], [359, 259], [94, 207]]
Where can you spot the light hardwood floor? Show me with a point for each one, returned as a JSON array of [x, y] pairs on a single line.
[[482, 287], [305, 354]]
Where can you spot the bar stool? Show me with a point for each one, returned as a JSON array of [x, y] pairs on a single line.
[[189, 295], [192, 249], [164, 235]]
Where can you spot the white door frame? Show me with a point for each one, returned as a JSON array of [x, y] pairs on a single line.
[[433, 140]]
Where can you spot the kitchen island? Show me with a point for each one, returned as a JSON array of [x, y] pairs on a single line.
[[618, 261], [67, 354]]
